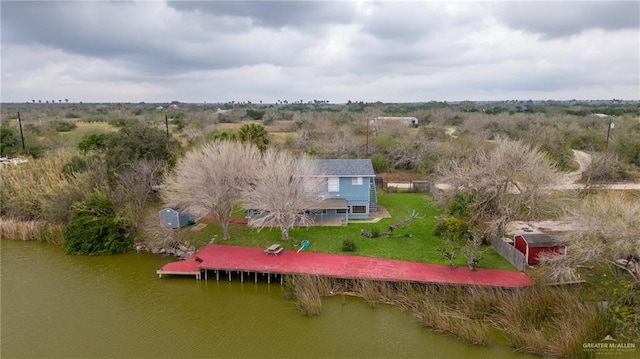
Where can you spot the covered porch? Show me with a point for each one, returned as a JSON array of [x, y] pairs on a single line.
[[330, 212]]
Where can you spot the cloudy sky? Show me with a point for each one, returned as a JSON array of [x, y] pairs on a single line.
[[390, 51]]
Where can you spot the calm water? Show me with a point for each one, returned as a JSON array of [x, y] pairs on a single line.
[[55, 306]]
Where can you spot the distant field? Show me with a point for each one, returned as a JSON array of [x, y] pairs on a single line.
[[84, 129], [282, 137]]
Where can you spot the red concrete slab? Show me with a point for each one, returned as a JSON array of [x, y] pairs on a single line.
[[186, 266], [251, 259]]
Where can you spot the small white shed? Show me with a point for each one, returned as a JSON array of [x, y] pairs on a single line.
[[171, 218]]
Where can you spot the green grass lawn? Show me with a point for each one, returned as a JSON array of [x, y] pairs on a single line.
[[420, 247]]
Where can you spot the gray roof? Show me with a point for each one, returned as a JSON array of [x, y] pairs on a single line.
[[346, 168], [536, 240], [330, 203]]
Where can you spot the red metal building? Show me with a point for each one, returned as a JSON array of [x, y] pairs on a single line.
[[532, 244]]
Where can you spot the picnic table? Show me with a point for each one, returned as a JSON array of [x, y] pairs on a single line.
[[274, 249]]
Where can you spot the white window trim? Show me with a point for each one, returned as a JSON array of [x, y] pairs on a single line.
[[333, 184]]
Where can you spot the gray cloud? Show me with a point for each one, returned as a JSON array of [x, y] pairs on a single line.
[[275, 14], [256, 50], [566, 18], [128, 33]]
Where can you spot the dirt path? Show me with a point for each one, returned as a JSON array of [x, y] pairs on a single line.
[[584, 161], [450, 131], [571, 180]]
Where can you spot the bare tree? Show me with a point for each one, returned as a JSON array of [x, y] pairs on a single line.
[[132, 186], [606, 232], [212, 180], [603, 168], [286, 188], [343, 144], [501, 181]]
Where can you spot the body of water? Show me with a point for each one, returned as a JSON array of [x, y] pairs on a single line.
[[59, 306]]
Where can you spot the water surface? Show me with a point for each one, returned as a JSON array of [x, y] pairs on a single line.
[[59, 306]]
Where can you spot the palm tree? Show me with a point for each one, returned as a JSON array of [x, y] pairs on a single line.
[[256, 134]]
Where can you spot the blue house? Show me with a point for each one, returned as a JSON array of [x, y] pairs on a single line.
[[350, 191]]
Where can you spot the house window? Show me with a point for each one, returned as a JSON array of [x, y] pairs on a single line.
[[334, 184], [342, 211], [356, 181], [359, 209]]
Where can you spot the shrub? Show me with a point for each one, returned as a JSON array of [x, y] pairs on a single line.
[[348, 245], [136, 142], [452, 228], [179, 123], [456, 120], [459, 205], [95, 141], [95, 230], [75, 165], [30, 128], [122, 122], [256, 114], [380, 163], [63, 126], [8, 141]]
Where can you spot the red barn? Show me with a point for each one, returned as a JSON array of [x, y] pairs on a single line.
[[532, 244]]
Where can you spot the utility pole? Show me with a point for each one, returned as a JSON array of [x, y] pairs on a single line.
[[366, 150], [606, 146], [166, 123], [21, 134]]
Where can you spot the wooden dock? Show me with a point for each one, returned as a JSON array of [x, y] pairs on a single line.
[[248, 262]]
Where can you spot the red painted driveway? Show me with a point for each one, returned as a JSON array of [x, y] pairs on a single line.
[[251, 259]]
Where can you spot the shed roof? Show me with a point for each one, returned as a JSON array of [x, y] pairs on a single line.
[[535, 240], [346, 167]]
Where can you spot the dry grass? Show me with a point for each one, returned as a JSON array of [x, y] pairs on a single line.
[[539, 320], [307, 291], [31, 231], [547, 321], [39, 190]]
